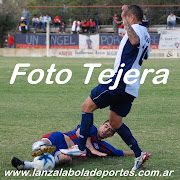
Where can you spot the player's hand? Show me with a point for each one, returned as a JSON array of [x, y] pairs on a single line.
[[98, 153], [124, 11]]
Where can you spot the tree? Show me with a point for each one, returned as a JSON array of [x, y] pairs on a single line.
[[7, 19]]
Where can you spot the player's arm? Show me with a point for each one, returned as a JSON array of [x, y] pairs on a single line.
[[112, 151], [128, 153], [93, 150], [90, 146], [133, 37]]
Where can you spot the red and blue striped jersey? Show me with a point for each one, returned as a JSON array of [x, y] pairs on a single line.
[[100, 145]]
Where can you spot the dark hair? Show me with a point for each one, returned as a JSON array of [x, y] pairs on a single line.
[[106, 122], [137, 11]]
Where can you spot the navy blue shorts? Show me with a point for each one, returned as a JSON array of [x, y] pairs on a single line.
[[57, 139], [119, 102]]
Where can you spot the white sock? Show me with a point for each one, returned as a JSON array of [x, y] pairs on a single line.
[[56, 157], [28, 165], [37, 144]]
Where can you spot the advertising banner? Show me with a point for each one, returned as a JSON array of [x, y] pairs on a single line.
[[169, 39], [78, 41], [70, 41], [109, 41], [89, 41]]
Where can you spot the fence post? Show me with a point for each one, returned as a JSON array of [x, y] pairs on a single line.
[[97, 17], [169, 10], [62, 14], [47, 38]]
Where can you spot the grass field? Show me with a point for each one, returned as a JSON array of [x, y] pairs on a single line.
[[29, 111]]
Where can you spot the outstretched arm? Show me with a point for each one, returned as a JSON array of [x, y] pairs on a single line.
[[128, 153], [133, 37]]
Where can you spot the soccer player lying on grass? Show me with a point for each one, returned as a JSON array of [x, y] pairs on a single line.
[[54, 141]]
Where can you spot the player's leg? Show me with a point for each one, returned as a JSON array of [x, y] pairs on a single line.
[[64, 159], [117, 112], [124, 132], [93, 102], [21, 165], [43, 146], [58, 140], [86, 122]]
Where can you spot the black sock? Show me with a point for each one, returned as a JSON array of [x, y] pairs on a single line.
[[128, 138]]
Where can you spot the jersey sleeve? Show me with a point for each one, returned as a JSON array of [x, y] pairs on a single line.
[[93, 132], [139, 33], [143, 39], [110, 150]]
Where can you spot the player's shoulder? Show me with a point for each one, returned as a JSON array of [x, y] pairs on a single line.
[[140, 29], [94, 128]]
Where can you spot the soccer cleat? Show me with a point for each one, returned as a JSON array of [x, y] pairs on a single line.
[[43, 149], [139, 161], [74, 151], [17, 163]]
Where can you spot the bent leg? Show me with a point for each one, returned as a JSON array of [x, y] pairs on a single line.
[[124, 132], [86, 122], [64, 159]]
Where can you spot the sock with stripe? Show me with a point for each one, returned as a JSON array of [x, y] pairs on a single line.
[[86, 125]]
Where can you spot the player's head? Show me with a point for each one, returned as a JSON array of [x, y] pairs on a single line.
[[134, 14], [171, 14], [105, 130]]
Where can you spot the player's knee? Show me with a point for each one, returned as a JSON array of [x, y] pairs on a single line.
[[115, 125], [86, 107]]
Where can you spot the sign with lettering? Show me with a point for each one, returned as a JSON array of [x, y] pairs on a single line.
[[78, 41], [109, 41], [169, 39], [39, 41], [89, 41]]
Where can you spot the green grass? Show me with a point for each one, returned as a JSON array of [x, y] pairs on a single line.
[[29, 111]]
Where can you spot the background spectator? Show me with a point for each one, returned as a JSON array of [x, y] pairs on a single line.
[[46, 19], [35, 22], [122, 32], [115, 15], [57, 21], [92, 26], [41, 22], [22, 25], [26, 15], [63, 27], [145, 20], [10, 40], [84, 25], [171, 20], [76, 26], [116, 24]]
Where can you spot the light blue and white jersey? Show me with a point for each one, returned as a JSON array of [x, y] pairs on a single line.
[[133, 57]]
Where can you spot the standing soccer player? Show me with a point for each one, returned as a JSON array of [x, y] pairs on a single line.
[[134, 47]]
